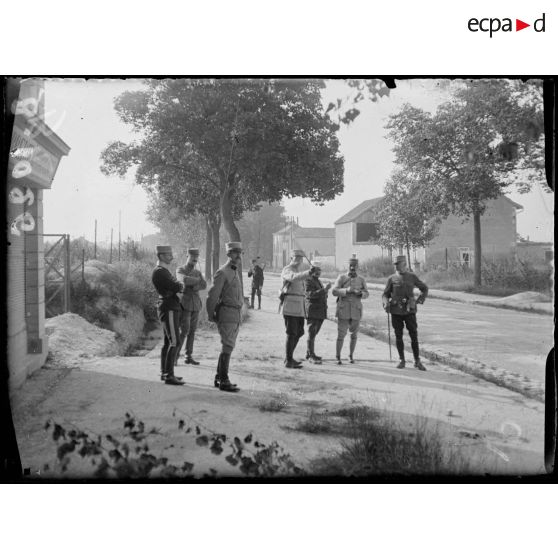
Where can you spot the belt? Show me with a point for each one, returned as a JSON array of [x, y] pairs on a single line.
[[294, 294], [231, 306]]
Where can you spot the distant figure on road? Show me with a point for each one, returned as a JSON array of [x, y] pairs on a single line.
[[191, 303], [316, 308], [224, 306], [399, 300], [350, 288], [294, 310], [168, 311], [257, 274]]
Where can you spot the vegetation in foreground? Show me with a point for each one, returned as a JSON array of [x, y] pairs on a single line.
[[371, 444]]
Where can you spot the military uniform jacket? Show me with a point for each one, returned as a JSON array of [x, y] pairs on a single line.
[[167, 288], [225, 295], [293, 304], [349, 305], [257, 276], [399, 292], [316, 299], [191, 300]]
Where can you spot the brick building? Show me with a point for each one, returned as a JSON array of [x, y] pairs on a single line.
[[357, 233], [35, 153]]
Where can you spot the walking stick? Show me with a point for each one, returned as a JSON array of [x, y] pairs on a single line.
[[389, 336]]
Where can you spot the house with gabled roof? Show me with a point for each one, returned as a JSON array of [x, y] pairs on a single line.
[[357, 232]]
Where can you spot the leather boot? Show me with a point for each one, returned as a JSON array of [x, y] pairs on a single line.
[[352, 349], [224, 382], [338, 347], [289, 349], [259, 302]]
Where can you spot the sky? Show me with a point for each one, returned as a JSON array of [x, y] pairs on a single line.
[[82, 113]]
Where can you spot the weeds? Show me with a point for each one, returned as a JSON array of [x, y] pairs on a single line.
[[131, 457], [378, 445], [316, 423], [273, 405]]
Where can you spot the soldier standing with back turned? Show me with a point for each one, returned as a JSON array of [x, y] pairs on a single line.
[[191, 303], [257, 274], [316, 309], [399, 300]]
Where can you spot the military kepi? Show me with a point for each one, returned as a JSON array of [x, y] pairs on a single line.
[[400, 259], [295, 253], [353, 260], [163, 249], [233, 246], [194, 252], [316, 264]]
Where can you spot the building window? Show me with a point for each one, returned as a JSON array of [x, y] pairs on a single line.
[[366, 232]]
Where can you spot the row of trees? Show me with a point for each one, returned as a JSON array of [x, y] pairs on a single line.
[[483, 142], [214, 150]]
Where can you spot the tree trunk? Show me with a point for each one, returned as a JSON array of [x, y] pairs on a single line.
[[228, 221], [215, 226], [208, 244], [478, 249], [408, 250]]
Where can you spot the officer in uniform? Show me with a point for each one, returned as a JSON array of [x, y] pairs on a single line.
[[168, 311], [191, 303], [256, 272], [350, 288], [316, 308], [399, 300], [294, 310], [224, 305]]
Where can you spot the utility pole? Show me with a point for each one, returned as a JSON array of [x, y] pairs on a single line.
[[119, 231], [110, 257], [95, 248]]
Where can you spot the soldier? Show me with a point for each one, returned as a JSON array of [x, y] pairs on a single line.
[[294, 310], [316, 308], [256, 272], [399, 300], [224, 305], [350, 289], [191, 303], [168, 311]]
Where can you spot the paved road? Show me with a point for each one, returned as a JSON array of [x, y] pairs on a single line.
[[516, 341]]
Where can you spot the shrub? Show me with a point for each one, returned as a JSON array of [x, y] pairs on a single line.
[[376, 268]]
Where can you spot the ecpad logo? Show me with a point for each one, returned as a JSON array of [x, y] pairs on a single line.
[[493, 25]]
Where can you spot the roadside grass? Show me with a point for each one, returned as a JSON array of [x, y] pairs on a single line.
[[274, 404], [376, 444]]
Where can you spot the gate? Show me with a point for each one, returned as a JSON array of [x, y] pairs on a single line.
[[57, 259]]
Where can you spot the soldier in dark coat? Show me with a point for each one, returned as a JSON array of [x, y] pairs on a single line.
[[224, 305], [257, 274], [191, 303], [399, 300], [316, 309], [168, 311]]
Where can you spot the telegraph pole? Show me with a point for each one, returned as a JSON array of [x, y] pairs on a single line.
[[119, 230], [95, 248], [110, 257]]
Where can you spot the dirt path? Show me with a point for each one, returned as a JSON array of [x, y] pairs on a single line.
[[501, 431]]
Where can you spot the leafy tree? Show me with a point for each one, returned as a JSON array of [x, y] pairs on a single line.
[[473, 148], [406, 215], [240, 142], [257, 228]]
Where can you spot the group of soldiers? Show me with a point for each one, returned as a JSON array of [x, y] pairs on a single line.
[[303, 297]]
